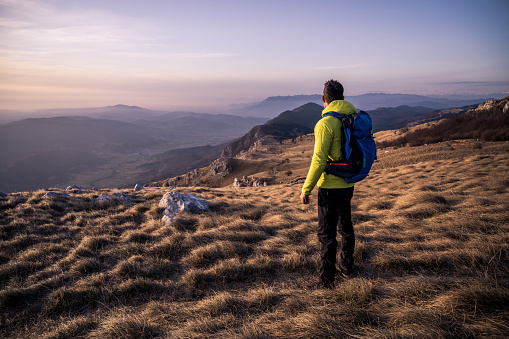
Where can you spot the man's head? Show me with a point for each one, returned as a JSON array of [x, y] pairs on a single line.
[[332, 90]]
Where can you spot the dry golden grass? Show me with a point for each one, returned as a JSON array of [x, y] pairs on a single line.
[[432, 256]]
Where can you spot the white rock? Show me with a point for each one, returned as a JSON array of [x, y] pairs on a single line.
[[175, 202], [237, 183]]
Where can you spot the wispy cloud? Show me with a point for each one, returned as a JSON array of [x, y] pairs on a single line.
[[13, 23]]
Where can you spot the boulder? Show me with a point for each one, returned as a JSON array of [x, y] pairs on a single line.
[[102, 197], [175, 202], [2, 195], [56, 195], [137, 188]]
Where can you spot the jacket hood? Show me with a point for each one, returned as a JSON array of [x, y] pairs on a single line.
[[339, 106]]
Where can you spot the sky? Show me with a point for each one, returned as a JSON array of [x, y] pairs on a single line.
[[198, 54]]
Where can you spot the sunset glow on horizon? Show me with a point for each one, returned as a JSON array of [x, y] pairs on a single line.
[[197, 54]]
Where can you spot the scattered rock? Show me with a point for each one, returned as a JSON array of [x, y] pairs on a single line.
[[74, 187], [248, 181], [137, 188], [122, 198], [56, 195], [119, 196], [220, 167], [237, 183], [175, 202]]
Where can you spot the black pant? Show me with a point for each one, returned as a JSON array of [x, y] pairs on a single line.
[[335, 212]]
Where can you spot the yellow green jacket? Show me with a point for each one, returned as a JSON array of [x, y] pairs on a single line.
[[327, 146]]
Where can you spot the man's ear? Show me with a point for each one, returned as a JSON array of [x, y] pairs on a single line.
[[325, 103]]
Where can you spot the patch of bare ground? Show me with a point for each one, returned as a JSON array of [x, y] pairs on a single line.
[[431, 253]]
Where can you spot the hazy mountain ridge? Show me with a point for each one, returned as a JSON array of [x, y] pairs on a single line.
[[368, 101], [136, 150], [267, 108]]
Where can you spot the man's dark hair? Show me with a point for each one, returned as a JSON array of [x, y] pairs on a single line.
[[332, 90]]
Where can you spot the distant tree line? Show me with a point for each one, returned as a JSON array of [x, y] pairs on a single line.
[[482, 125]]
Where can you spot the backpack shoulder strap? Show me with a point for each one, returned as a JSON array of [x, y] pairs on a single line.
[[347, 120], [347, 126]]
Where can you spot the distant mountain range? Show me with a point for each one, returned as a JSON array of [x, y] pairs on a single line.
[[369, 101], [265, 109], [120, 145]]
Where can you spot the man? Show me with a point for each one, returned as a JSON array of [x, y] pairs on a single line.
[[334, 194]]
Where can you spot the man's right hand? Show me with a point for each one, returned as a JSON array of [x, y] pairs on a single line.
[[304, 198]]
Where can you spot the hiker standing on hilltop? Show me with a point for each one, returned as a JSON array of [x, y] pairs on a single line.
[[334, 193]]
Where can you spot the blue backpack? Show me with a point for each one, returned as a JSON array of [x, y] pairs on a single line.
[[358, 147]]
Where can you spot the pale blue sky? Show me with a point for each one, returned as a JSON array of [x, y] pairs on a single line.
[[195, 54]]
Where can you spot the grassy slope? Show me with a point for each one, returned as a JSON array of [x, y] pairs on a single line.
[[432, 231]]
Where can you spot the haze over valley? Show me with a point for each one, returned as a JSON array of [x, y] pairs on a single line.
[[119, 146]]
